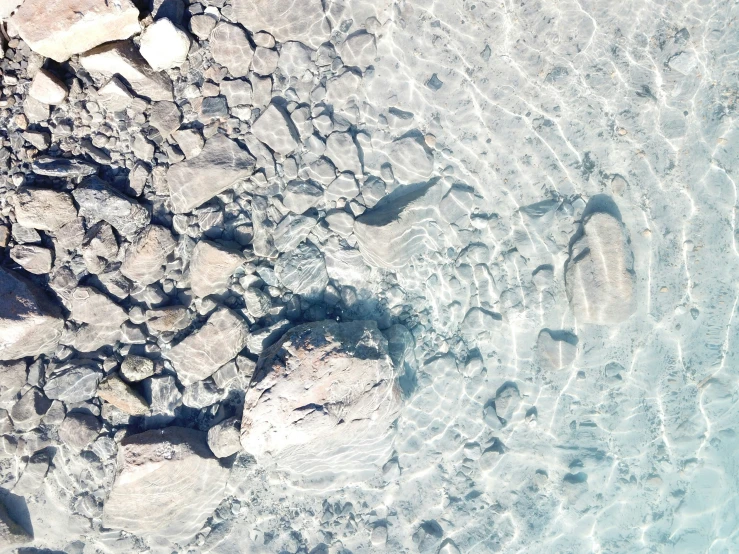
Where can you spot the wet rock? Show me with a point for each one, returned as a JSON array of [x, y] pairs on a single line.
[[60, 29], [12, 379], [557, 349], [115, 96], [218, 167], [265, 61], [89, 305], [224, 437], [359, 49], [11, 534], [306, 21], [411, 162], [115, 391], [190, 142], [301, 196], [599, 275], [48, 88], [323, 399], [99, 201], [166, 117], [202, 25], [263, 338], [275, 129], [34, 259], [168, 319], [167, 484], [78, 430], [258, 303], [219, 341], [74, 382], [342, 151], [39, 139], [30, 323], [292, 230], [390, 235], [164, 45], [303, 271], [231, 48], [62, 167], [136, 368], [146, 256], [28, 411], [123, 59], [211, 268]]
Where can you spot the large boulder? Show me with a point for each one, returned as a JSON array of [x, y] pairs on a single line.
[[286, 20], [322, 401], [61, 28], [167, 484], [30, 323], [599, 275]]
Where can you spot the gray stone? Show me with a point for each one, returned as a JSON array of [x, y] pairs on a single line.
[[303, 271], [292, 230], [224, 437], [50, 166], [202, 25], [557, 349], [301, 196], [166, 117], [89, 305], [99, 201], [78, 430], [411, 161], [211, 267], [285, 19], [75, 382], [43, 209], [359, 50], [275, 129], [258, 303], [12, 379], [190, 141], [146, 256], [28, 411], [231, 48], [342, 151]]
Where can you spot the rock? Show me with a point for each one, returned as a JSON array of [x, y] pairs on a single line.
[[11, 534], [190, 142], [136, 368], [116, 392], [275, 129], [164, 45], [99, 246], [213, 108], [258, 303], [164, 394], [30, 323], [89, 305], [340, 222], [301, 196], [378, 537], [323, 400], [292, 230], [146, 256], [359, 50], [166, 117], [40, 139], [265, 61], [218, 167], [303, 271], [342, 151], [75, 382], [99, 201], [34, 259], [60, 29], [557, 349], [211, 268], [344, 186], [115, 96], [599, 275], [62, 167], [168, 319], [238, 92], [231, 48], [12, 379], [261, 339], [78, 430], [33, 474], [286, 20], [219, 341], [411, 162], [202, 394], [389, 236], [167, 484], [48, 88], [224, 437], [28, 411], [202, 25], [123, 59]]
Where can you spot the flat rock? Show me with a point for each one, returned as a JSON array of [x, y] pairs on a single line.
[[275, 129], [48, 88], [122, 58], [146, 256], [167, 484], [136, 368], [12, 379], [99, 201], [166, 117], [211, 267], [286, 20], [557, 349], [231, 48], [219, 341], [342, 151], [28, 411], [30, 323], [292, 230], [303, 271], [301, 196], [391, 234], [220, 164], [44, 209], [323, 400], [89, 305], [599, 275], [164, 45], [62, 28], [359, 50]]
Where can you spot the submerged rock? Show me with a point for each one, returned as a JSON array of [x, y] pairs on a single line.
[[167, 484], [286, 20], [323, 400], [211, 268], [303, 271], [11, 534], [147, 255], [99, 201], [231, 48]]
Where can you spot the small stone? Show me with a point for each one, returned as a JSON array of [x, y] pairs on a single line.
[[258, 303], [238, 92], [48, 88], [231, 48], [168, 319], [39, 139], [99, 201], [166, 117], [164, 45], [78, 430], [340, 222], [146, 256], [211, 267], [265, 40], [224, 437], [34, 259], [12, 380], [342, 151], [213, 107], [378, 537], [275, 129], [411, 162], [136, 368], [115, 391], [50, 166], [143, 148]]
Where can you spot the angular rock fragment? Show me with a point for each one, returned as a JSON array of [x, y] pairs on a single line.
[[303, 271], [275, 129], [412, 163], [12, 379], [116, 392], [164, 45], [62, 167], [190, 142], [168, 319], [48, 88], [115, 96], [166, 117], [258, 303], [44, 209], [224, 437], [123, 59], [30, 323], [286, 20], [218, 167], [146, 256], [219, 341], [557, 349], [292, 230], [34, 259], [599, 275], [78, 430], [390, 235], [211, 268], [99, 201], [167, 484], [60, 29], [323, 400], [231, 48], [74, 382]]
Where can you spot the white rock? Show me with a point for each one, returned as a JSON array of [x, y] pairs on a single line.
[[211, 267], [340, 222], [136, 368], [344, 186], [7, 7], [342, 151], [200, 354], [599, 275], [62, 28], [231, 48], [115, 96], [147, 255], [164, 45], [48, 88], [303, 271], [224, 437], [167, 484], [285, 19], [301, 196], [275, 129], [292, 230], [89, 305], [265, 61], [411, 162]]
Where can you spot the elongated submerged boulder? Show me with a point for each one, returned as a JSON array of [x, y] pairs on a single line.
[[322, 401], [30, 323], [599, 276], [167, 484]]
